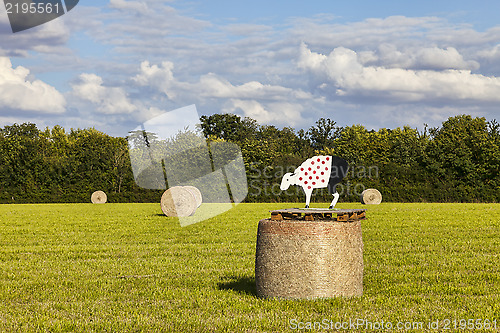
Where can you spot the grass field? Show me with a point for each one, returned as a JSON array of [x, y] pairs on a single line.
[[128, 268]]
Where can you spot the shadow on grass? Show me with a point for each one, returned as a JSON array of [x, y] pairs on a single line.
[[242, 285]]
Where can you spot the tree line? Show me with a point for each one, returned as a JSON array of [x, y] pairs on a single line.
[[458, 161]]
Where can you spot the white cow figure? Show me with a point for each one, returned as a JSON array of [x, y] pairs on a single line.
[[318, 172]]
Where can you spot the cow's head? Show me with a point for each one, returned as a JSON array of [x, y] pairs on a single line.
[[288, 179]]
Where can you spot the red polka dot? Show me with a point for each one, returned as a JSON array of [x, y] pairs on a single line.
[[314, 172], [310, 177], [318, 159], [309, 169], [317, 167], [305, 174], [305, 182], [323, 162], [328, 158], [326, 168], [322, 173], [312, 162], [314, 183], [317, 177], [301, 169], [322, 180], [300, 178], [309, 187]]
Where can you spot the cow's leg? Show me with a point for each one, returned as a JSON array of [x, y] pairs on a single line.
[[308, 196], [336, 196]]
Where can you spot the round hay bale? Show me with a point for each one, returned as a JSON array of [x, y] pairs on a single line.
[[178, 201], [99, 197], [305, 260], [196, 193], [371, 196]]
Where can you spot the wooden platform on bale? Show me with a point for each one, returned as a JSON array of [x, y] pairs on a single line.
[[318, 214]]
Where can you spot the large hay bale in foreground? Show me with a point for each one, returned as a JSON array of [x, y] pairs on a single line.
[[99, 197], [371, 196], [305, 260], [178, 201]]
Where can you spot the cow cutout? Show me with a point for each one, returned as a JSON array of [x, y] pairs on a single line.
[[318, 172]]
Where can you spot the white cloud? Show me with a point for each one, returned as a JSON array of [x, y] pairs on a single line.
[[109, 100], [264, 102], [342, 73], [160, 77], [437, 58], [366, 34], [137, 6], [282, 113], [47, 38], [133, 33], [491, 53], [212, 85], [17, 92], [432, 58]]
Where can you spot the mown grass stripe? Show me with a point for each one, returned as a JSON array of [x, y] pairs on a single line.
[[128, 268]]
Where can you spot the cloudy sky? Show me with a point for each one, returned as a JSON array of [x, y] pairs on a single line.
[[115, 64]]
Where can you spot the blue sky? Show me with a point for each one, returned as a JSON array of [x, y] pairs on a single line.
[[115, 64]]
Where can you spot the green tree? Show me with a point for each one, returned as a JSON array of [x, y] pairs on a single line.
[[229, 127], [462, 156], [324, 133], [22, 158]]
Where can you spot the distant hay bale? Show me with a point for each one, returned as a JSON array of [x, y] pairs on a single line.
[[197, 194], [371, 196], [99, 197], [297, 259], [178, 201]]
